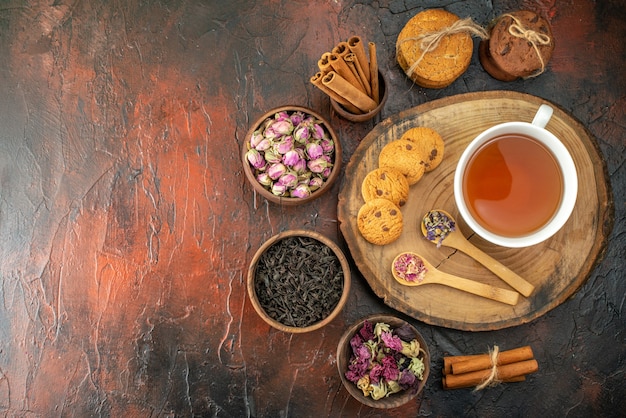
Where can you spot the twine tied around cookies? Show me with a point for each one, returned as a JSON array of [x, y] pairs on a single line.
[[430, 41], [492, 379], [535, 38]]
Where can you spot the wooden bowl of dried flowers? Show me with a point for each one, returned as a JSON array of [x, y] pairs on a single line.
[[396, 374], [291, 155], [298, 281]]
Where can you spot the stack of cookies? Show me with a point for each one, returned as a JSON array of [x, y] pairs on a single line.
[[435, 47], [401, 164], [520, 46]]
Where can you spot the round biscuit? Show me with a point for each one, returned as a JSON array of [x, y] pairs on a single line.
[[404, 156], [380, 221], [385, 183], [429, 143]]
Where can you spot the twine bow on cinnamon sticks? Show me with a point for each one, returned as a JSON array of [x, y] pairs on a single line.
[[349, 77], [484, 370]]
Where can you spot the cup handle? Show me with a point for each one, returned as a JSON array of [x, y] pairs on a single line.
[[543, 115]]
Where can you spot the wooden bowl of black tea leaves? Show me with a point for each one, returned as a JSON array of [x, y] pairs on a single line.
[[298, 281]]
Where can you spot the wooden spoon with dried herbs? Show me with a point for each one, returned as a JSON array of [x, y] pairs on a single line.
[[439, 227], [411, 269]]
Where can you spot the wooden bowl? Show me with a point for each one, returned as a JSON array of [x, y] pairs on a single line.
[[344, 353], [285, 200], [298, 296], [363, 117]]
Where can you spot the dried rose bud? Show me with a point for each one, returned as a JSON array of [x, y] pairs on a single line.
[[301, 134], [276, 170], [282, 115], [296, 118], [289, 180], [300, 166], [291, 158], [328, 145], [315, 183], [301, 191], [329, 166], [263, 145], [318, 131], [314, 150], [279, 189], [255, 159], [284, 146], [304, 177], [318, 165], [264, 179], [256, 138], [270, 133], [282, 127], [272, 157]]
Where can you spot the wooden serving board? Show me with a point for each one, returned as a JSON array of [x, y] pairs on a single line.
[[557, 267]]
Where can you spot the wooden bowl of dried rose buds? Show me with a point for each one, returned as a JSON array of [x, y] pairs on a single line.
[[291, 155], [298, 281], [383, 361]]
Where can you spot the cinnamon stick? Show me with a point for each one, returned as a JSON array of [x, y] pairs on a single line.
[[343, 88], [353, 62], [450, 360], [341, 67], [483, 361], [316, 80], [505, 372], [356, 47], [341, 49], [514, 379], [373, 69], [324, 63]]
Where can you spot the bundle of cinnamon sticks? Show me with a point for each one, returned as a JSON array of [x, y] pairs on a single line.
[[479, 370], [349, 77]]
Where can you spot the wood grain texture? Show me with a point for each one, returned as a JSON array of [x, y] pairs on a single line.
[[557, 267]]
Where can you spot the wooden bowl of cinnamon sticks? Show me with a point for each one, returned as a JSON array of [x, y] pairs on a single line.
[[349, 75]]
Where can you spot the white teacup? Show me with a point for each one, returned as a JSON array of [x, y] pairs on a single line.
[[477, 215]]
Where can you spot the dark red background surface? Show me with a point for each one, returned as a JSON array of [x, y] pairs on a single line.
[[126, 223]]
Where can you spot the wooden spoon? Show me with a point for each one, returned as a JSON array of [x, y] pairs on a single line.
[[455, 239], [431, 276]]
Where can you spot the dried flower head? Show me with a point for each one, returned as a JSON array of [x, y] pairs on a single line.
[[438, 226], [409, 267]]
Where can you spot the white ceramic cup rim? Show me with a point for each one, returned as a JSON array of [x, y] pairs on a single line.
[[537, 131]]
